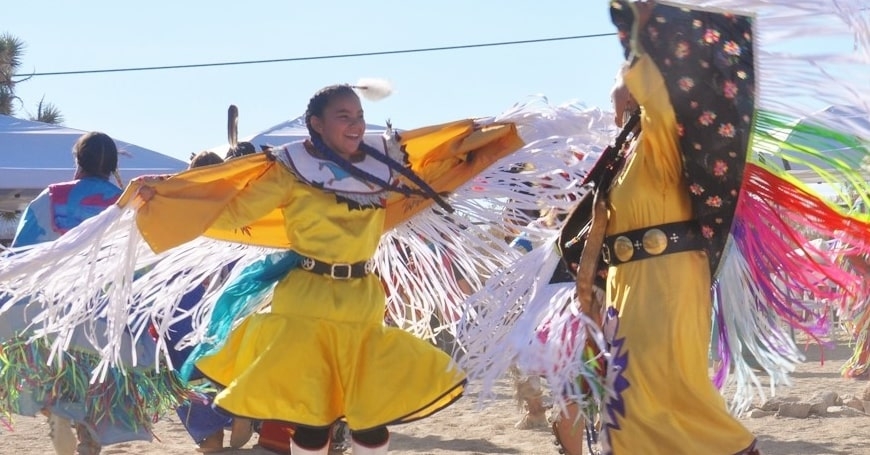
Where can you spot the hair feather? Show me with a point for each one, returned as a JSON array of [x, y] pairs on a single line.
[[374, 89]]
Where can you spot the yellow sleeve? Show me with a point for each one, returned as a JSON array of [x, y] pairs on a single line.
[[187, 204], [448, 155], [257, 199], [647, 86], [658, 121]]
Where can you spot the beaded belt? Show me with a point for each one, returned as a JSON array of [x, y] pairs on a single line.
[[337, 271], [651, 242]]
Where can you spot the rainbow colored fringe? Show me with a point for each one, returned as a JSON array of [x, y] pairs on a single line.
[[786, 260], [132, 399]]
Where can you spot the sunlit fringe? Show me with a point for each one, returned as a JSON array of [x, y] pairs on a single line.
[[103, 269], [783, 270], [131, 399], [833, 156], [134, 289], [58, 277], [497, 327], [158, 291], [520, 320], [789, 279], [422, 259]]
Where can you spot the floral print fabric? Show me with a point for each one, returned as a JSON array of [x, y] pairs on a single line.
[[706, 59]]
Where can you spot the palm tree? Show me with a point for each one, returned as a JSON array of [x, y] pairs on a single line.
[[11, 50], [6, 101], [47, 113], [8, 223]]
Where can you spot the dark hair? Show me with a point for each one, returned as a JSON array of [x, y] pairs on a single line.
[[205, 158], [320, 99], [96, 154], [241, 149]]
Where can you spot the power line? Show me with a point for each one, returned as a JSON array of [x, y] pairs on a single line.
[[318, 57]]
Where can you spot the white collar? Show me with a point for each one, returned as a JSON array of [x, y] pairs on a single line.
[[328, 175]]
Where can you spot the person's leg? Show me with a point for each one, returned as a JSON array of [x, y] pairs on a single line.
[[204, 424], [61, 434], [212, 443], [530, 393], [370, 442], [88, 445], [310, 441], [241, 432], [569, 430]]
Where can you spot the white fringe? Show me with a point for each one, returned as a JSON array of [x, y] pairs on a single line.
[[511, 297], [110, 253], [750, 325], [503, 329], [424, 296], [88, 274]]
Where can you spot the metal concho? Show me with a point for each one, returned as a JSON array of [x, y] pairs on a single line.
[[623, 249], [655, 241]]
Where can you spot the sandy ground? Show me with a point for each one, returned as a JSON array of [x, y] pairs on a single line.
[[466, 429]]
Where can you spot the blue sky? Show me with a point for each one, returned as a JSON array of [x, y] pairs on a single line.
[[177, 112]]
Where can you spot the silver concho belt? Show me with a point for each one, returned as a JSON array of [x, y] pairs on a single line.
[[652, 242]]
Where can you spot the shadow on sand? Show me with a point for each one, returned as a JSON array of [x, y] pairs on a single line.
[[770, 446], [430, 443]]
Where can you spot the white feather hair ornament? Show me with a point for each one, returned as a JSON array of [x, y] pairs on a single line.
[[374, 89]]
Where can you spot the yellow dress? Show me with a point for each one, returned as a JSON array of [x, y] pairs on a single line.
[[323, 352], [664, 401]]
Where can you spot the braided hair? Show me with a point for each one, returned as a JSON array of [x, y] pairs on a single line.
[[96, 154], [318, 104]]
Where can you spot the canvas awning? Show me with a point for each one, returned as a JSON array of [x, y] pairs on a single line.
[[34, 155]]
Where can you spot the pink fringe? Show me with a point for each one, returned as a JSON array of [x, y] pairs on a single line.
[[773, 220]]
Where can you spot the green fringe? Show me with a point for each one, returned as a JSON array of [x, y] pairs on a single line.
[[592, 385], [134, 398], [838, 159]]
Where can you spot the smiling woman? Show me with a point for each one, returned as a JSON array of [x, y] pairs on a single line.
[[327, 306], [340, 123]]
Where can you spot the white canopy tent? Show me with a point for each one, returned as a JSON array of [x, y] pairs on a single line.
[[289, 131], [34, 155]]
